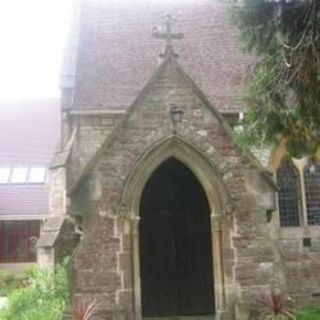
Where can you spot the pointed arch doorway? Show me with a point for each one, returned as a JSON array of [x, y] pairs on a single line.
[[175, 244]]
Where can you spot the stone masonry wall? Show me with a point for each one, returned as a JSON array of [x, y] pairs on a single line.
[[102, 263], [302, 268], [92, 131], [58, 197]]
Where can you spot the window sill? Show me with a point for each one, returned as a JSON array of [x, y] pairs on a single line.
[[16, 267], [299, 232]]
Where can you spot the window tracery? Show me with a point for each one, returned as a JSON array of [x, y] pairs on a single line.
[[299, 193], [287, 180], [312, 191]]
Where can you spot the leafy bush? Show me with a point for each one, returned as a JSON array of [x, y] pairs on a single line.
[[9, 282], [44, 296]]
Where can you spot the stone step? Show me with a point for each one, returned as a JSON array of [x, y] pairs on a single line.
[[196, 317]]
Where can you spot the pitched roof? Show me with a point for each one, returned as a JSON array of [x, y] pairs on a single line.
[[29, 132], [24, 201], [117, 53]]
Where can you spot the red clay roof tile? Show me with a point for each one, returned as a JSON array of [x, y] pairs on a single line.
[[118, 53]]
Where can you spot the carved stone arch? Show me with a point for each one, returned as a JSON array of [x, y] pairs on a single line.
[[208, 175], [277, 155], [176, 147]]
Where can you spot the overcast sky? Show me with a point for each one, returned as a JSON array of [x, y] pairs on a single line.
[[32, 38]]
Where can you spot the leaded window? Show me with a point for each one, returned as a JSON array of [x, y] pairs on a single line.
[[287, 180], [312, 189]]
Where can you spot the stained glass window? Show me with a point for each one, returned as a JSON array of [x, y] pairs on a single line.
[[288, 195], [312, 188]]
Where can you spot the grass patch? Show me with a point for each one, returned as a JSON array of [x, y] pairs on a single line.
[[308, 314]]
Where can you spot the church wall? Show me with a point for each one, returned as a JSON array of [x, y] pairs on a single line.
[[103, 261], [299, 245], [57, 199], [300, 252], [302, 268], [92, 129]]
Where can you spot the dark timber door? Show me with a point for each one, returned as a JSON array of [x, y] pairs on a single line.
[[175, 244]]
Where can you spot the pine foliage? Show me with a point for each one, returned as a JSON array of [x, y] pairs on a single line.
[[283, 95]]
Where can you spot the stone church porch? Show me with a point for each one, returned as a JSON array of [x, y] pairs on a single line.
[[107, 201], [171, 213]]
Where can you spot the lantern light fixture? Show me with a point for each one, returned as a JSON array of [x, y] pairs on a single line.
[[176, 113]]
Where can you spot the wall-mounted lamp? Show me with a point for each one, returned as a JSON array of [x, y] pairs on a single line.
[[269, 213], [176, 113]]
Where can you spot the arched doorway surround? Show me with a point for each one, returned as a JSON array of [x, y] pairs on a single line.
[[208, 175]]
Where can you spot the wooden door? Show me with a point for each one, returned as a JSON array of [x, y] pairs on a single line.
[[175, 244]]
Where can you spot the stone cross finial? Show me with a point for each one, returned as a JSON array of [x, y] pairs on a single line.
[[167, 34]]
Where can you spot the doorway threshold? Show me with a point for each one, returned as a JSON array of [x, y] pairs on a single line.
[[195, 317]]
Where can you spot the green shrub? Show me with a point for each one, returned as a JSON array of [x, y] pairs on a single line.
[[9, 282], [44, 296]]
